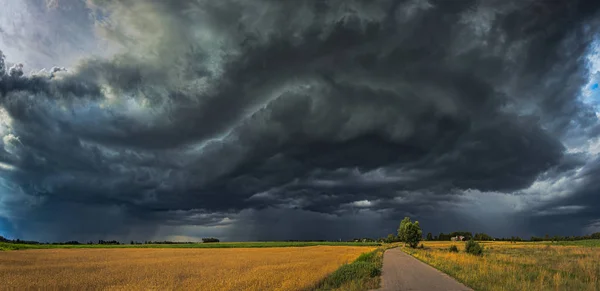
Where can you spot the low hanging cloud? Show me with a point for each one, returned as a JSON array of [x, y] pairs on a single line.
[[306, 119]]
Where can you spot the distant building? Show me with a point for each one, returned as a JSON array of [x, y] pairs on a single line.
[[457, 238]]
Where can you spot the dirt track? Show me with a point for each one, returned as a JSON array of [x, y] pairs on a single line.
[[403, 272]]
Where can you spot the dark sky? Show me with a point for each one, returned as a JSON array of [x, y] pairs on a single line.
[[322, 119]]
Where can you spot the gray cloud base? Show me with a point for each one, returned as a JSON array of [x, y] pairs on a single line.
[[306, 120]]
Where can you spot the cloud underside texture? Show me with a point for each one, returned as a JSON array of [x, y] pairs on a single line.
[[307, 120]]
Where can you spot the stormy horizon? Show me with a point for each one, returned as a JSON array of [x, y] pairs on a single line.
[[297, 120]]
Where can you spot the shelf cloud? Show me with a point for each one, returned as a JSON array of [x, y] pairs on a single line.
[[270, 119]]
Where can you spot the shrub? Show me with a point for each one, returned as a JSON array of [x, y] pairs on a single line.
[[421, 246], [453, 249], [474, 248]]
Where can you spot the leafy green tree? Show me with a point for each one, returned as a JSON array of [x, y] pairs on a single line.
[[410, 232], [414, 234], [429, 236], [402, 228]]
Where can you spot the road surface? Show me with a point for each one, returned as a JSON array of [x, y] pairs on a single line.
[[403, 272]]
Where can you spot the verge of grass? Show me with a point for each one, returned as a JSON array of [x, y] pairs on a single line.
[[362, 274], [12, 246], [519, 266]]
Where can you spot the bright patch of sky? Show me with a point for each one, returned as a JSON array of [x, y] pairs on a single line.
[[591, 91], [10, 11]]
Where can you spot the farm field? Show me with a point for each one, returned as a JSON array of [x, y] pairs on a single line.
[[518, 266], [172, 268], [15, 246], [581, 243]]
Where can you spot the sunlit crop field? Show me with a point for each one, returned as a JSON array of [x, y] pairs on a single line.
[[161, 269], [520, 266]]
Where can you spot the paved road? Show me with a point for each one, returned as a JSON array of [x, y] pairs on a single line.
[[403, 272]]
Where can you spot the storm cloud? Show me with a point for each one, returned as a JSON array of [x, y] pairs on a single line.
[[321, 119]]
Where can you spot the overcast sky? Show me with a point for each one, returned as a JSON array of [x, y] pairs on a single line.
[[308, 119]]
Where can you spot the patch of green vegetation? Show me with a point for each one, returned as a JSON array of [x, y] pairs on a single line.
[[579, 243], [348, 272], [12, 246], [474, 248], [362, 274], [367, 257]]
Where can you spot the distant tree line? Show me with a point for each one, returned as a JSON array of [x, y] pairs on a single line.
[[511, 239], [18, 241], [391, 238], [467, 235], [296, 240], [102, 242], [547, 237], [482, 237], [166, 242], [108, 242]]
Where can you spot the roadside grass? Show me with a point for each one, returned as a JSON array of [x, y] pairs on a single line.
[[362, 274], [12, 246], [517, 266]]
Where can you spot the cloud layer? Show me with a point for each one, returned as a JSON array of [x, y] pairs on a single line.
[[307, 119]]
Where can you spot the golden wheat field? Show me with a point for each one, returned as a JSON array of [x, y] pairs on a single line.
[[290, 268], [519, 266]]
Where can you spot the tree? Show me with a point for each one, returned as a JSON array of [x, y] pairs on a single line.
[[482, 236], [390, 238], [402, 229], [429, 236], [444, 236], [410, 232], [414, 234]]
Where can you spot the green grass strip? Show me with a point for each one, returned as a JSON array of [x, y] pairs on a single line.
[[362, 274]]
